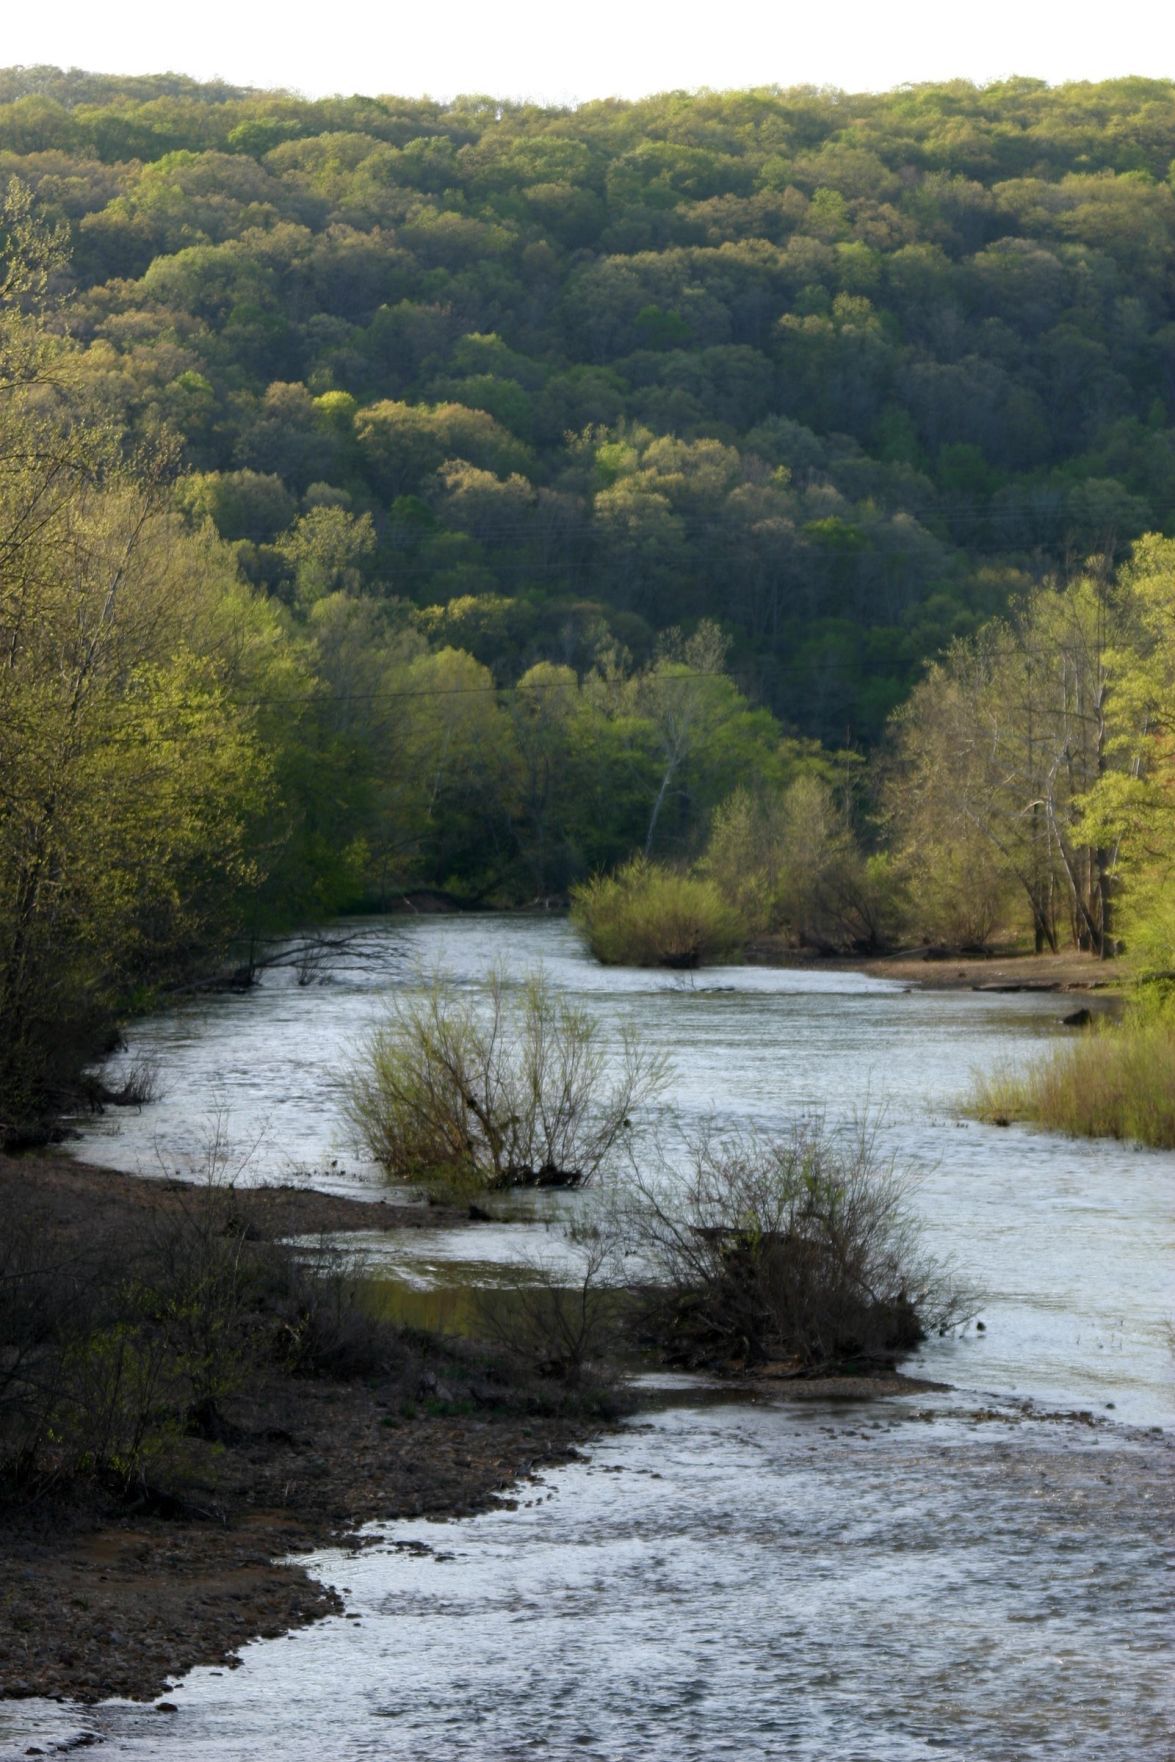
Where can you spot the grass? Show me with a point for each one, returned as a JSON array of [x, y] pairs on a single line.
[[649, 916], [1117, 1081]]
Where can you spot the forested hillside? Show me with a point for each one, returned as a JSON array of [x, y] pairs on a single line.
[[841, 372]]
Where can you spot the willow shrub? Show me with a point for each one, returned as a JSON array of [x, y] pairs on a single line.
[[457, 1093], [646, 915], [1116, 1081]]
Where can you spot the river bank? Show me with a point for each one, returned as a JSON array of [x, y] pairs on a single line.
[[1045, 1522], [1006, 970], [1000, 968], [108, 1593], [111, 1592]]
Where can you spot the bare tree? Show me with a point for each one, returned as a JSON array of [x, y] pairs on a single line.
[[803, 1250]]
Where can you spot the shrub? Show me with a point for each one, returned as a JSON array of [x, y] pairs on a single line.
[[800, 1249], [112, 1353], [646, 915], [1116, 1081], [564, 1318], [197, 1294], [454, 1097], [327, 1324], [44, 1301]]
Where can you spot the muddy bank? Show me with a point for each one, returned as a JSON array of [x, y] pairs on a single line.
[[109, 1591], [1002, 970], [105, 1593], [79, 1201], [99, 1600]]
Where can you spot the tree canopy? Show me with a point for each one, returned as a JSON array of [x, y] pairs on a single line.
[[842, 372], [473, 496]]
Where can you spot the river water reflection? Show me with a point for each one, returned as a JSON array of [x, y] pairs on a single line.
[[950, 1576]]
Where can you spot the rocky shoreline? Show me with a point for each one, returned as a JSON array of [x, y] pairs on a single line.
[[101, 1595], [98, 1602]]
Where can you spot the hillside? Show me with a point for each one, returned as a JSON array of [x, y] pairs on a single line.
[[841, 372]]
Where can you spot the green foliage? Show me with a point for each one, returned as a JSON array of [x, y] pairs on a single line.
[[240, 504], [791, 863], [130, 777], [1129, 807], [135, 769], [943, 315], [994, 759], [571, 457], [743, 857], [459, 1099], [329, 551], [646, 915]]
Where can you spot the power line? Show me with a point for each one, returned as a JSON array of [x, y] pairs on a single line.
[[312, 699]]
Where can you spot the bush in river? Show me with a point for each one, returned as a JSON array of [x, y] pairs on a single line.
[[455, 1096], [1116, 1081], [646, 915], [801, 1250]]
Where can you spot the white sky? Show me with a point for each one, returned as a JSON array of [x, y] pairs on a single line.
[[525, 49]]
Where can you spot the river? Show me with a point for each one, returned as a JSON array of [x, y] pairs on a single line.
[[971, 1575]]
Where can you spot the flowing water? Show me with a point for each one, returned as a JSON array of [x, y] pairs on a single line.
[[959, 1576], [1069, 1239]]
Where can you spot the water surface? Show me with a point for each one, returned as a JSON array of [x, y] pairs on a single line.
[[958, 1576], [872, 1584], [955, 1576], [1070, 1240]]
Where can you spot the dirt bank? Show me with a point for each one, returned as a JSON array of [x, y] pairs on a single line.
[[78, 1201], [1003, 970], [101, 1594], [104, 1593], [102, 1600]]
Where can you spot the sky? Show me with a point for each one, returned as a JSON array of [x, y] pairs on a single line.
[[527, 49]]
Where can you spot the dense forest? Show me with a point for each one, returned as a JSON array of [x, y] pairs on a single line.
[[841, 372], [476, 495]]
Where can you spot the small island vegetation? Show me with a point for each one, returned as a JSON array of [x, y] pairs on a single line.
[[461, 1095], [800, 1251]]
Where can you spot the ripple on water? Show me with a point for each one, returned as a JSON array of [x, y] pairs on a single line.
[[871, 1584], [862, 1585]]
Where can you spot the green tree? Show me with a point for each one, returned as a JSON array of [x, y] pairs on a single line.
[[453, 783], [329, 551], [998, 747], [1129, 810], [249, 505], [701, 729]]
